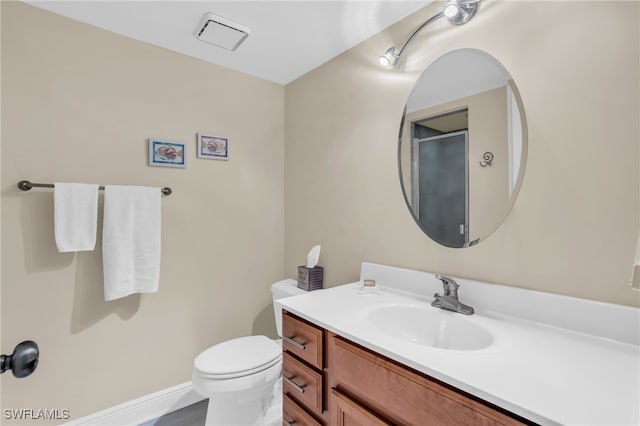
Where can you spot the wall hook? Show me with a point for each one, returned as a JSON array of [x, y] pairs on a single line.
[[488, 159]]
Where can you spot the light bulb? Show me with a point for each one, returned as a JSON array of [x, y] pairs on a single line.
[[389, 57], [451, 10], [384, 61]]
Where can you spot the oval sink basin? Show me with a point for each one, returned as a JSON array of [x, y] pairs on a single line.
[[430, 327]]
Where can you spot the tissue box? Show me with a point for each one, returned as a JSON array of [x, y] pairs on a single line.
[[310, 278]]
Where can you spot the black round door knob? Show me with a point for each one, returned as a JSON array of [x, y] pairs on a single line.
[[23, 361]]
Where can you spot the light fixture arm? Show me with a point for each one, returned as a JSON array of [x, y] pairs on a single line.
[[415, 33], [458, 12]]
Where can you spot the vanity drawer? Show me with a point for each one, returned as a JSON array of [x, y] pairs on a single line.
[[302, 383], [293, 414], [302, 339], [401, 395]]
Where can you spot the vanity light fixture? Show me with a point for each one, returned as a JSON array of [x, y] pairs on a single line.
[[458, 12]]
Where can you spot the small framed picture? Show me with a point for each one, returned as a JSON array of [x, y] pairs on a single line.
[[213, 147], [165, 153]]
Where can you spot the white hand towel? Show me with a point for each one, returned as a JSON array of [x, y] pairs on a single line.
[[635, 270], [75, 216], [131, 240]]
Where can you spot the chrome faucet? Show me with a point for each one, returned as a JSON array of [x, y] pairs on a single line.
[[449, 300]]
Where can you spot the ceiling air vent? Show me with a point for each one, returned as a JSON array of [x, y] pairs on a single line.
[[221, 32]]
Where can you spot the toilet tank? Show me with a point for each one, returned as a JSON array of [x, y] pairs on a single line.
[[280, 290]]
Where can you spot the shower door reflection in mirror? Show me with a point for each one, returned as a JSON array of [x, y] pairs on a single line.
[[440, 189]]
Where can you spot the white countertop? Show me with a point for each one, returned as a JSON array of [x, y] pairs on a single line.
[[545, 373]]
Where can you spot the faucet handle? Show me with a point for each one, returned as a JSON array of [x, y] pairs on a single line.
[[450, 285], [449, 300]]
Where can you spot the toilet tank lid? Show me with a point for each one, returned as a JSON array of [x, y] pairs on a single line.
[[288, 287], [237, 355]]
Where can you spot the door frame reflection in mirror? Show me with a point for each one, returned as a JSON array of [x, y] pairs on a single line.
[[511, 163]]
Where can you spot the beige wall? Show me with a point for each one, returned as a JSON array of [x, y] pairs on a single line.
[[488, 187], [574, 225], [78, 105]]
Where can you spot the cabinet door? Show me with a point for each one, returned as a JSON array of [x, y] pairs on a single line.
[[402, 395], [346, 412]]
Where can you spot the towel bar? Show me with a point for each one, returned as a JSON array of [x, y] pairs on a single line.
[[26, 185]]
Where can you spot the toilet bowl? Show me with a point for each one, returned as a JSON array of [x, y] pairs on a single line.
[[239, 375]]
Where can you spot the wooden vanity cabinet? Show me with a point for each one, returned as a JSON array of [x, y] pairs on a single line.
[[337, 382]]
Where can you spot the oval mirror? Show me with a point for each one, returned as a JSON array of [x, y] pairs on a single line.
[[462, 147]]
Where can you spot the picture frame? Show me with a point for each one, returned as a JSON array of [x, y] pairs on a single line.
[[166, 153], [213, 147]]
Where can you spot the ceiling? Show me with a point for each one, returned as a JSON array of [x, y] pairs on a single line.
[[288, 38]]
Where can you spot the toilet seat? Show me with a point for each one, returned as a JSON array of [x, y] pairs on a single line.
[[239, 357]]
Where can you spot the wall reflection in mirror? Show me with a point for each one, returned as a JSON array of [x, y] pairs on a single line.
[[464, 109]]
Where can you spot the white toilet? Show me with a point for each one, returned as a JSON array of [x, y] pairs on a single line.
[[239, 375]]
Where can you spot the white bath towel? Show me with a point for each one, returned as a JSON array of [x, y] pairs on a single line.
[[131, 240], [75, 216]]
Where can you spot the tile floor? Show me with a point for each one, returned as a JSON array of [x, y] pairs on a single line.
[[195, 414], [192, 415]]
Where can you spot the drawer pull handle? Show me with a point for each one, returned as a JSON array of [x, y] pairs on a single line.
[[299, 388], [294, 343], [289, 423]]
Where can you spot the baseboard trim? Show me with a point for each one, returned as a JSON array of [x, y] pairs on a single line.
[[140, 410]]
